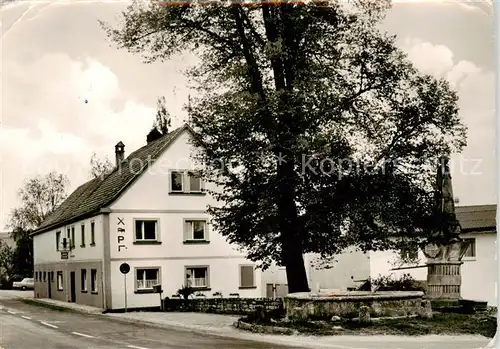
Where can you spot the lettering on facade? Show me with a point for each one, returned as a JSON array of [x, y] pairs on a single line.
[[121, 234]]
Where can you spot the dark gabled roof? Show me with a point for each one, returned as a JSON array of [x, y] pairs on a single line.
[[89, 198], [477, 218]]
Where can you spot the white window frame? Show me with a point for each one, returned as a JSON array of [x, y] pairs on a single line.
[[93, 280], [472, 247], [186, 182], [145, 285], [188, 270], [83, 280], [183, 182], [92, 233], [58, 240], [240, 268], [157, 229], [82, 234], [189, 229], [72, 242], [188, 175], [60, 283]]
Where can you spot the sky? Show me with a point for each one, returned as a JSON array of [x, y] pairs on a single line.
[[66, 91]]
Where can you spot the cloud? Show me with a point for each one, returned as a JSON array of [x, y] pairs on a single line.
[[475, 177], [72, 97], [48, 126]]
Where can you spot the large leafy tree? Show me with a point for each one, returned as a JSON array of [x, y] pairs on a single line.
[[318, 129], [40, 196]]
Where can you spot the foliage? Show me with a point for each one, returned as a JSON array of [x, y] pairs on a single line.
[[440, 324], [186, 291], [99, 167], [319, 130], [389, 283], [6, 260], [40, 196], [163, 119]]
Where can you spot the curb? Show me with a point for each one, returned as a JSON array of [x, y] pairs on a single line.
[[264, 329], [61, 307], [163, 326]]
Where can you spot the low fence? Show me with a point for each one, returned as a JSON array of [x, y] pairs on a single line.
[[236, 306]]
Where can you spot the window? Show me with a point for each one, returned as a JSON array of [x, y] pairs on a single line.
[[247, 279], [471, 250], [83, 279], [197, 277], [194, 182], [44, 276], [72, 242], [92, 233], [182, 181], [60, 280], [146, 230], [195, 230], [83, 236], [93, 280], [176, 181], [146, 278], [52, 276], [58, 240]]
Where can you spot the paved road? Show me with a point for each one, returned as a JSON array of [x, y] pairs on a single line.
[[24, 326]]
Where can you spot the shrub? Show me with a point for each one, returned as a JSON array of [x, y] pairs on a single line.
[[389, 283], [186, 291]]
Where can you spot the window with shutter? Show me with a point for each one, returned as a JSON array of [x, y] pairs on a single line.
[[247, 276]]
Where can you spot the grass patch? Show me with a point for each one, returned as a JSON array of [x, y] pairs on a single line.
[[441, 324], [44, 305]]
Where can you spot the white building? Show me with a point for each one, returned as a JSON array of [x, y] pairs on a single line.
[[479, 269], [150, 212]]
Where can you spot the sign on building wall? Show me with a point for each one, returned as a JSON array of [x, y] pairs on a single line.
[[120, 230]]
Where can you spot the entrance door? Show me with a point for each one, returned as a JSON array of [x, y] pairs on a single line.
[[49, 284], [73, 287]]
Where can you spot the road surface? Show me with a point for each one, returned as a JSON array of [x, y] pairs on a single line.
[[25, 326]]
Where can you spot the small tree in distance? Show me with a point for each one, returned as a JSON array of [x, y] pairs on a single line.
[[99, 167], [163, 119], [40, 196]]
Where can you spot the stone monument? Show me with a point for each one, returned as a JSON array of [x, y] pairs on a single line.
[[444, 255]]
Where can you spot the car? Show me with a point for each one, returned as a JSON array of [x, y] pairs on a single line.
[[24, 284]]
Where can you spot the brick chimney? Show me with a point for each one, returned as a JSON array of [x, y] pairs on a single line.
[[153, 135], [119, 152]]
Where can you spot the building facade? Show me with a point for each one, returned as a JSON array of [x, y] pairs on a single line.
[[479, 268], [150, 213]]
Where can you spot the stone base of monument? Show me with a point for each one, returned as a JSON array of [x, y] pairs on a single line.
[[352, 304]]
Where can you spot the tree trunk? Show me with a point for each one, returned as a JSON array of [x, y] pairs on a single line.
[[295, 268], [291, 239]]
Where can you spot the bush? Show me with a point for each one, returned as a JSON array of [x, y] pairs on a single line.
[[389, 283], [186, 291]]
